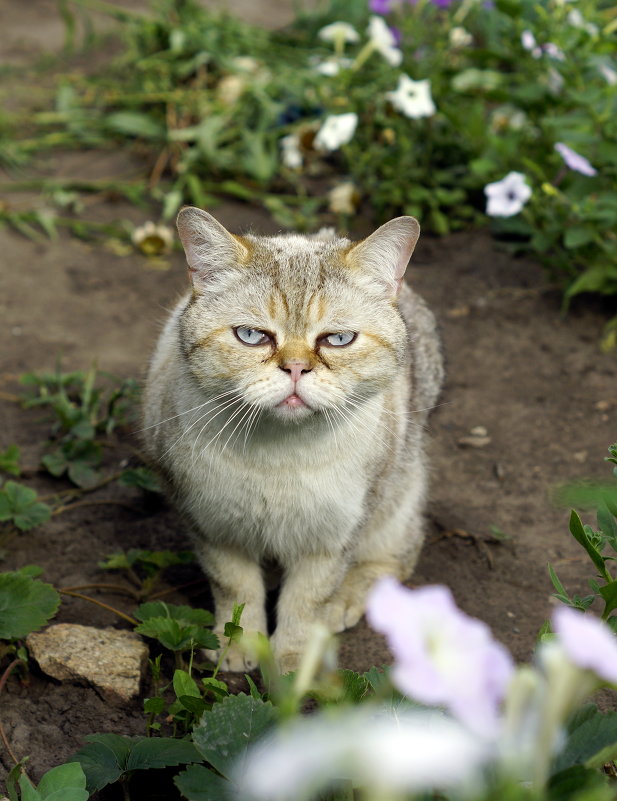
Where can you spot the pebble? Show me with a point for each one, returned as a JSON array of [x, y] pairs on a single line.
[[474, 442], [111, 660]]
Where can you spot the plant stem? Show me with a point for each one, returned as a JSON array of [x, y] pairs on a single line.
[[71, 506], [109, 608], [3, 737], [118, 588]]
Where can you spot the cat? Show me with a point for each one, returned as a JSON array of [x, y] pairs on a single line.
[[285, 405]]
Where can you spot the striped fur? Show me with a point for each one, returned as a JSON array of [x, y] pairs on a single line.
[[331, 490]]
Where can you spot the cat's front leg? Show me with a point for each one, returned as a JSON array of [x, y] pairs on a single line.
[[234, 578], [307, 586]]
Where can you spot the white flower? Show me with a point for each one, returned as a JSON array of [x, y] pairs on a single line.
[[339, 31], [290, 151], [332, 66], [153, 239], [412, 98], [387, 753], [460, 37], [555, 80], [508, 196], [337, 130], [553, 51], [382, 39], [343, 198], [528, 40], [576, 19]]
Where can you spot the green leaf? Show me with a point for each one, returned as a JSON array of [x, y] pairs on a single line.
[[185, 685], [107, 757], [197, 783], [592, 732], [570, 783], [186, 614], [225, 732], [609, 595], [579, 534], [132, 123], [578, 235], [177, 635], [64, 783], [9, 460], [19, 504], [26, 604], [140, 477]]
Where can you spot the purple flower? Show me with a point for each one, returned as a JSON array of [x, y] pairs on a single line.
[[396, 33], [574, 160], [442, 656], [442, 3], [380, 6], [588, 642]]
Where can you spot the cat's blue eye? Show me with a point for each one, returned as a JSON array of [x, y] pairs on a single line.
[[341, 339], [252, 336]]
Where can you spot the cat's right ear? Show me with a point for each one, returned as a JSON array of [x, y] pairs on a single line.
[[212, 253]]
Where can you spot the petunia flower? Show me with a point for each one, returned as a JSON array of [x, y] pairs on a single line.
[[332, 66], [380, 6], [508, 196], [442, 656], [383, 40], [460, 37], [389, 754], [576, 19], [587, 641], [339, 31], [574, 160], [291, 154], [412, 98], [337, 130], [343, 198]]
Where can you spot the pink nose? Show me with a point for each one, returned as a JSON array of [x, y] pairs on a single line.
[[295, 369]]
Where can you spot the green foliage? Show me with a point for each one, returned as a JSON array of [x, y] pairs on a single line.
[[19, 504], [9, 460], [109, 757], [26, 604], [591, 739], [62, 783], [140, 477], [178, 628], [594, 541]]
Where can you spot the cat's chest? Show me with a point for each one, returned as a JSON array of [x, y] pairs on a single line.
[[282, 510]]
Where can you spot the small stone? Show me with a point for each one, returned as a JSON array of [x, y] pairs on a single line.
[[580, 456], [458, 311], [478, 431], [111, 660], [474, 442], [510, 614], [603, 406]]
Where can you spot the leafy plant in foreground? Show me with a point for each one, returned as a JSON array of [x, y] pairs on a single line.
[[602, 497], [20, 505], [26, 603], [63, 783]]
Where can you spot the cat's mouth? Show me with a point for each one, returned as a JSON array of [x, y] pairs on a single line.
[[292, 401]]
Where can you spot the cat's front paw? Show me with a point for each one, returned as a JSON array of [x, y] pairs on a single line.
[[235, 659], [342, 613]]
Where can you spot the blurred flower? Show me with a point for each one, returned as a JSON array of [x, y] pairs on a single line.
[[508, 196], [291, 154], [553, 51], [528, 40], [589, 643], [442, 656], [387, 753], [339, 31], [153, 239], [609, 74], [380, 6], [459, 37], [555, 80], [332, 66], [343, 198], [412, 98], [574, 160], [230, 88], [247, 64], [383, 40], [442, 3], [576, 19], [337, 130], [508, 117]]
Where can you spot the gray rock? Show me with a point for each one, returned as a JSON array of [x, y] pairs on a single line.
[[110, 660]]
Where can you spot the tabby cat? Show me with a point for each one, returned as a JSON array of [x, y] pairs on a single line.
[[285, 405]]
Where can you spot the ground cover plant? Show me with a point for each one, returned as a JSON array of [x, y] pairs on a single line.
[[449, 111]]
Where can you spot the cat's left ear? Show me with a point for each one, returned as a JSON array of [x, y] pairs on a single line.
[[386, 252]]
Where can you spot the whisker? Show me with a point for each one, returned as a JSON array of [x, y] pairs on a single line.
[[224, 407], [173, 417], [194, 423]]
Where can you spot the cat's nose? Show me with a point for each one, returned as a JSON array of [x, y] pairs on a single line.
[[296, 368]]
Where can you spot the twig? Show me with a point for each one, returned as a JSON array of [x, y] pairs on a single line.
[[69, 507], [109, 608], [3, 681], [169, 590], [117, 588]]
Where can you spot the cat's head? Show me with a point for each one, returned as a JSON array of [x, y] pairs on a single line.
[[294, 325]]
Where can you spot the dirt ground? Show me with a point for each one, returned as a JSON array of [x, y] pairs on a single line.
[[536, 380]]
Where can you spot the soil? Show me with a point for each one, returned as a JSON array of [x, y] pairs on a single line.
[[535, 379]]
